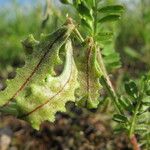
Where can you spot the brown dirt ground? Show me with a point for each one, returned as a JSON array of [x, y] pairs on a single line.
[[77, 130]]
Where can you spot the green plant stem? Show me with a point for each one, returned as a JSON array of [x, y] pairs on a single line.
[[107, 83], [105, 79], [132, 137], [133, 122], [95, 18], [78, 34]]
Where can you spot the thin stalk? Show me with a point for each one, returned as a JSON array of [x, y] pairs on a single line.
[[134, 143], [78, 34], [95, 18], [109, 88], [133, 122], [107, 83], [133, 139]]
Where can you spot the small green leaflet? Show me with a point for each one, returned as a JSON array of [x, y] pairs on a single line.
[[111, 13], [120, 118], [111, 9], [110, 18]]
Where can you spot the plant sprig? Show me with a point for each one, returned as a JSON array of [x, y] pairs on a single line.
[[93, 17], [135, 105]]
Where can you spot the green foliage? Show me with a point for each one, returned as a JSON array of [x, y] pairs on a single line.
[[120, 118], [134, 116], [131, 89], [16, 23], [34, 77], [54, 74], [109, 18], [112, 9], [37, 90], [94, 18]]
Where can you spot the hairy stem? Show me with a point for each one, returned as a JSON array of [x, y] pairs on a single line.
[[78, 34], [107, 83], [133, 121], [105, 79], [134, 143], [133, 139]]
